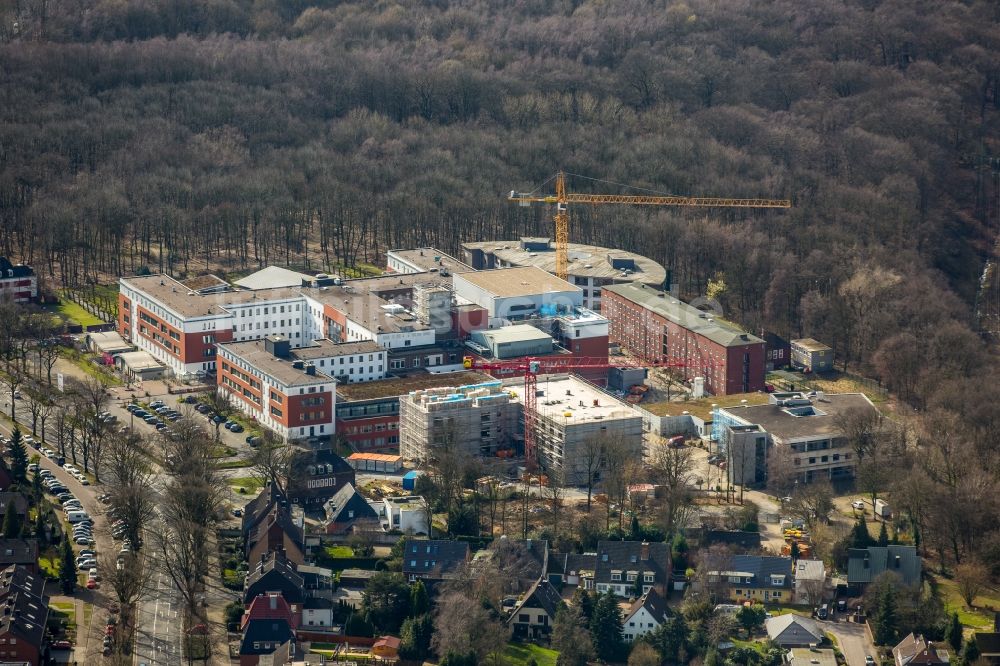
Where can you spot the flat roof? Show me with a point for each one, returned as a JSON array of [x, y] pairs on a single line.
[[584, 260], [515, 333], [188, 303], [424, 259], [780, 422], [140, 360], [363, 305], [702, 407], [811, 345], [561, 394], [326, 348], [521, 281], [273, 276], [811, 657], [379, 457], [254, 353], [703, 323], [385, 388]]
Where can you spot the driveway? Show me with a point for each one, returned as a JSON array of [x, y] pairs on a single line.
[[852, 639]]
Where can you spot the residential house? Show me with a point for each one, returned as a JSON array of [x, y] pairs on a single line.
[[577, 568], [23, 552], [317, 612], [275, 574], [645, 614], [260, 506], [737, 539], [810, 657], [267, 624], [433, 560], [349, 510], [521, 563], [866, 564], [405, 514], [535, 613], [386, 647], [356, 577], [756, 578], [988, 642], [632, 568], [314, 578], [810, 581], [24, 611], [18, 500], [916, 650], [791, 630], [277, 532], [316, 476]]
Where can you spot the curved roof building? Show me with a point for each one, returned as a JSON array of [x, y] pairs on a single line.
[[590, 267]]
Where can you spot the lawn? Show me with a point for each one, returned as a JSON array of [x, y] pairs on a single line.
[[63, 616], [70, 310], [84, 363], [519, 654], [251, 484], [953, 603], [49, 566], [339, 551]]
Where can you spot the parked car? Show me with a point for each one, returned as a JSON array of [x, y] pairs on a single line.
[[61, 645], [236, 427], [858, 504]]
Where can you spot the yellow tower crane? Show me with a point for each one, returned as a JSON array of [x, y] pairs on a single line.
[[562, 199]]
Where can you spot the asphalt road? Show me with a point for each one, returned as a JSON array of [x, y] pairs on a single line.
[[853, 641], [158, 635]]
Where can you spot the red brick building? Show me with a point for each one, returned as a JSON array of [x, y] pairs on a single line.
[[660, 328]]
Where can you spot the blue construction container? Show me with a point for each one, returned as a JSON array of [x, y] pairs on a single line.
[[410, 480]]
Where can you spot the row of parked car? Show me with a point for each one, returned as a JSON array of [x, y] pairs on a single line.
[[210, 414], [156, 414]]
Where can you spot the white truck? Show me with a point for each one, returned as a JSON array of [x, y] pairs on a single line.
[[882, 509]]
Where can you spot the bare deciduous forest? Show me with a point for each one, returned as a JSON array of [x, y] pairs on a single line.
[[182, 136]]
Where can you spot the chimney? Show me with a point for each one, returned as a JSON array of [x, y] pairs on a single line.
[[644, 551], [274, 601]]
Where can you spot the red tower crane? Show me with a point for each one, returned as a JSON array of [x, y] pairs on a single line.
[[531, 367]]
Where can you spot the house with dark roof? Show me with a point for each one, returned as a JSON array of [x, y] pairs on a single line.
[[276, 532], [866, 564], [275, 574], [18, 500], [520, 562], [791, 631], [433, 559], [267, 625], [738, 539], [316, 476], [988, 643], [632, 568], [16, 577], [257, 508], [535, 613], [23, 618], [915, 650], [347, 510], [573, 569], [756, 578], [19, 551], [317, 612], [18, 282], [645, 614]]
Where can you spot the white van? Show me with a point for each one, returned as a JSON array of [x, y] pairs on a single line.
[[77, 516]]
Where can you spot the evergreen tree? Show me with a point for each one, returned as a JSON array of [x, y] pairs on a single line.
[[67, 568], [860, 537], [584, 600], [971, 653], [793, 550], [40, 526], [458, 659], [418, 599], [358, 625], [712, 658], [415, 637], [36, 487], [18, 456], [953, 633], [606, 628], [883, 536], [11, 522], [635, 529], [885, 617], [671, 640], [570, 638], [679, 552]]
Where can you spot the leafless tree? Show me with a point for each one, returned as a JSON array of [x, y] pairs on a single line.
[[462, 625], [712, 562], [39, 405], [623, 469], [128, 576], [271, 461], [555, 489], [673, 471], [131, 484], [972, 578], [591, 460], [812, 502], [12, 379]]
